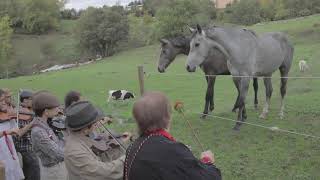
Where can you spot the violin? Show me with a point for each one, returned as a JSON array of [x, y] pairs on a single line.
[[9, 113], [109, 146]]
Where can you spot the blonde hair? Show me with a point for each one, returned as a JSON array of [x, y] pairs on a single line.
[[152, 111]]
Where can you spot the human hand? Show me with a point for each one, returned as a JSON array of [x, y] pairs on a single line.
[[207, 157], [126, 136], [14, 132]]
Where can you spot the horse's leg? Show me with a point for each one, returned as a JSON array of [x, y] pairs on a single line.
[[283, 89], [236, 82], [213, 81], [244, 86], [244, 115], [269, 89], [208, 97], [255, 87]]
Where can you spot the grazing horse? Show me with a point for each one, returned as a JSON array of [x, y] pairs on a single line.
[[214, 64], [247, 55]]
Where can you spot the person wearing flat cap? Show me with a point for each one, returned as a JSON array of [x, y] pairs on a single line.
[[44, 142], [23, 144], [81, 162]]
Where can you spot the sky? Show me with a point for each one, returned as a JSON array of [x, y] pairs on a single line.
[[83, 4]]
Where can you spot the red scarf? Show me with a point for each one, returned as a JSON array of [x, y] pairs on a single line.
[[160, 132], [9, 144]]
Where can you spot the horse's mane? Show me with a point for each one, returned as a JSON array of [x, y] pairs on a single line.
[[210, 32], [250, 31], [180, 41]]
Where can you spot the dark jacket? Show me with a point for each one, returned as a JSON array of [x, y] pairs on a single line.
[[162, 159]]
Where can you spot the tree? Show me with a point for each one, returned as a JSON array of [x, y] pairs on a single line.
[[175, 18], [268, 10], [5, 41], [246, 12], [207, 7], [69, 14], [40, 16], [14, 9], [99, 30], [152, 6]]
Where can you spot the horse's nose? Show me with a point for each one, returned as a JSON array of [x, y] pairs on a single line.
[[161, 70], [188, 68]]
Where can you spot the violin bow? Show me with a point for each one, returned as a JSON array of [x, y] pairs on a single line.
[[18, 108], [179, 107], [121, 145]]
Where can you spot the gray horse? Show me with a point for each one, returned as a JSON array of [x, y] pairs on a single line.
[[248, 55], [215, 64]]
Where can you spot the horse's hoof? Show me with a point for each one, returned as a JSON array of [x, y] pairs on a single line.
[[263, 116], [211, 109], [234, 110], [203, 116], [236, 128], [281, 115]]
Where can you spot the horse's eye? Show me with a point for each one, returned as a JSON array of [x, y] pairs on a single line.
[[164, 52], [197, 45]]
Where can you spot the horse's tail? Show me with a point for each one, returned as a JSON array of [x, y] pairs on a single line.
[[286, 46], [289, 53]]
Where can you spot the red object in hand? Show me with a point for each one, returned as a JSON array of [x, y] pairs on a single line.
[[206, 160], [178, 106]]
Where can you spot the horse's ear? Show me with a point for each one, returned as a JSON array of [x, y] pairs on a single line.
[[192, 30], [164, 41], [199, 29], [203, 33]]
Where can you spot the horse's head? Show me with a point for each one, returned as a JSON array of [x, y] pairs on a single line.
[[201, 46], [168, 53], [199, 49]]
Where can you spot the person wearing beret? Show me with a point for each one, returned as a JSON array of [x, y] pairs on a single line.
[[81, 162], [156, 155], [44, 142]]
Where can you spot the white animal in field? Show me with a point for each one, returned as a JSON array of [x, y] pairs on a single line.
[[303, 66]]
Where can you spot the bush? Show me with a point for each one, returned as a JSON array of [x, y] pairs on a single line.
[[304, 12], [40, 16], [246, 12], [142, 31]]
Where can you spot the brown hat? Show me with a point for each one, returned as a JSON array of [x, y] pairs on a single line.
[[82, 114], [44, 100]]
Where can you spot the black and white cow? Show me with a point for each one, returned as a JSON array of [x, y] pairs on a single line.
[[120, 95]]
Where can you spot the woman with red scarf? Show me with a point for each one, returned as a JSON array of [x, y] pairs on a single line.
[[156, 155], [8, 154]]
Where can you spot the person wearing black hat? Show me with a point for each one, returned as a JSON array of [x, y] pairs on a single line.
[[45, 143], [23, 144], [81, 162]]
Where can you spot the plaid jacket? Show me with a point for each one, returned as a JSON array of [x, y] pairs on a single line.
[[46, 144], [23, 144]]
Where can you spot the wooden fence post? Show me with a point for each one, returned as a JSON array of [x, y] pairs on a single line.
[[141, 79]]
